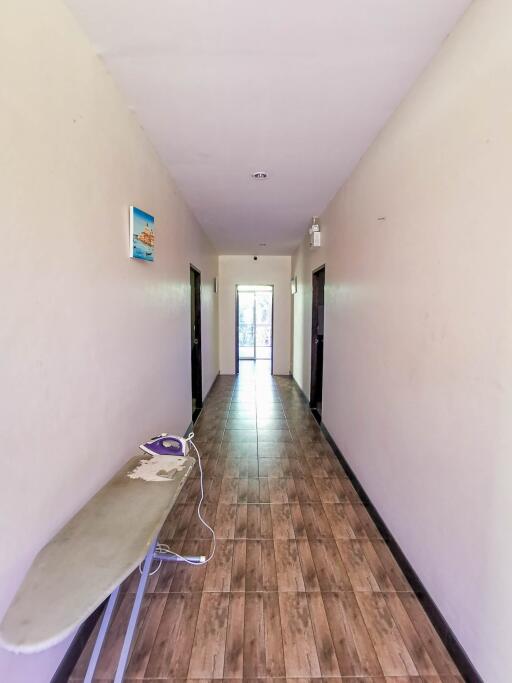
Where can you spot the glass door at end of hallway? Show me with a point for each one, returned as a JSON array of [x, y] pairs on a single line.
[[254, 322]]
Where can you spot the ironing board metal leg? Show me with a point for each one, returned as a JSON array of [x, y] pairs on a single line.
[[100, 639], [130, 631]]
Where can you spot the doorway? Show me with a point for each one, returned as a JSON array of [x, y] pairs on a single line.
[[195, 342], [317, 343], [254, 325]]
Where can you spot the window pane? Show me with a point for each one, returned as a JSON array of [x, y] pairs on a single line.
[[246, 335], [263, 353], [255, 321], [263, 335], [263, 308], [246, 307], [254, 288]]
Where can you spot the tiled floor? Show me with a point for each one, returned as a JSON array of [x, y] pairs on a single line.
[[302, 586]]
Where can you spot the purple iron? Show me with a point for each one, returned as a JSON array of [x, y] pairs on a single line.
[[165, 444]]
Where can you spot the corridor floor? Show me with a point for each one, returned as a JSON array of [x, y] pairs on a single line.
[[302, 587]]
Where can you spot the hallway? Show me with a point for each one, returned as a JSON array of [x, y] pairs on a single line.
[[192, 187], [301, 587]]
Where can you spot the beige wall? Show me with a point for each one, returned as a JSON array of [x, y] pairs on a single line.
[[418, 330], [243, 270], [304, 262], [95, 347]]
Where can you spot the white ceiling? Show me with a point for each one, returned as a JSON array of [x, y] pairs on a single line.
[[298, 88]]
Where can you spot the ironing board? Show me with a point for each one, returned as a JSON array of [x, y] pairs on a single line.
[[92, 555]]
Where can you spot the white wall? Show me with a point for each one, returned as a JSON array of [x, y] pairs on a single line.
[[418, 330], [243, 270], [304, 262], [95, 347]]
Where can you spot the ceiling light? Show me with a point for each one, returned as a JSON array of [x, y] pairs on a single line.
[[260, 175]]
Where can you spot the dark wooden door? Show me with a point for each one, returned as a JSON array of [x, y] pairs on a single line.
[[195, 339], [317, 342]]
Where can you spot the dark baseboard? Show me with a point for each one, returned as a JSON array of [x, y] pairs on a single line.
[[77, 646], [449, 639], [317, 415]]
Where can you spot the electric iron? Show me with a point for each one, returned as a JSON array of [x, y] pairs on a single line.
[[165, 444], [168, 444]]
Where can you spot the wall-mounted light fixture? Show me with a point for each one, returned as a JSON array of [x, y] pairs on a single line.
[[314, 233], [293, 284]]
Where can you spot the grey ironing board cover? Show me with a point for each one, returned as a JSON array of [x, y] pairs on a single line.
[[92, 554]]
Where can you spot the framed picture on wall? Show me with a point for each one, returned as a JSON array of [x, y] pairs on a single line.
[[142, 234]]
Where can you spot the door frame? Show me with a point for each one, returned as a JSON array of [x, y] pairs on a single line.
[[197, 386], [237, 355], [313, 387], [237, 359]]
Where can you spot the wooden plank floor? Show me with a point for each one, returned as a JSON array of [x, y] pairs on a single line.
[[302, 587]]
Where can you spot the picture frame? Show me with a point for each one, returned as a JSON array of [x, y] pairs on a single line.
[[142, 235]]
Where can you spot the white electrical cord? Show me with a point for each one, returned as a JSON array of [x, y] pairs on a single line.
[[164, 549]]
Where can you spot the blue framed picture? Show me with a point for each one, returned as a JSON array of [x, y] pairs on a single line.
[[142, 234]]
